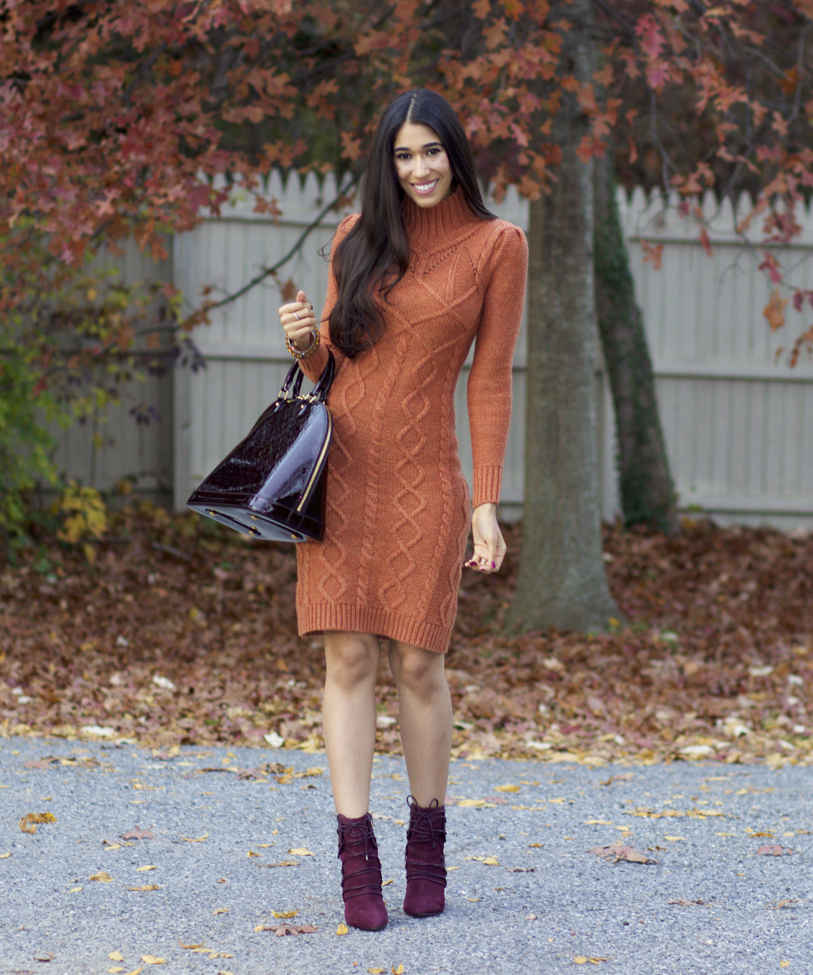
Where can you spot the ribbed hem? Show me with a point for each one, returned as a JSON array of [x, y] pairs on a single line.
[[446, 216], [487, 483], [351, 619]]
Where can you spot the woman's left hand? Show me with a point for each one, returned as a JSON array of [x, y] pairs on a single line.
[[489, 545]]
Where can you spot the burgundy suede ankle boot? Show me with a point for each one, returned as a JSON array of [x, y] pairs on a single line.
[[361, 874], [425, 863]]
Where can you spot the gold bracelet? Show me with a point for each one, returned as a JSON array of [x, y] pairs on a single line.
[[310, 349]]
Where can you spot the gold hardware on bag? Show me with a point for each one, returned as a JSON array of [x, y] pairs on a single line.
[[212, 513], [253, 530], [293, 537]]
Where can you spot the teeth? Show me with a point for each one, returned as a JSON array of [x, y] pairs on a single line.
[[424, 186]]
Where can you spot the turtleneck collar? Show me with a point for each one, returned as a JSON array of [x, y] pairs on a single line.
[[445, 217]]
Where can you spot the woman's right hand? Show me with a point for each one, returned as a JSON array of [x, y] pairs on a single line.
[[299, 321]]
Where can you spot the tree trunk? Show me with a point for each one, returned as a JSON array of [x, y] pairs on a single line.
[[647, 492], [561, 582]]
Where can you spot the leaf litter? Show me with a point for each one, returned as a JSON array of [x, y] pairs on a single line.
[[717, 664]]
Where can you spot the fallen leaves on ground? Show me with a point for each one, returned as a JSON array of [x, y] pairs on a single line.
[[144, 887], [717, 664], [28, 823], [774, 851], [619, 852], [196, 839], [153, 960], [102, 876], [583, 960], [342, 929]]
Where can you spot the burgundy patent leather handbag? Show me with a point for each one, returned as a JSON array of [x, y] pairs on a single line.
[[272, 485]]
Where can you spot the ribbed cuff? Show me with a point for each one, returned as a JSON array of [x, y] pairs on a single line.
[[487, 483]]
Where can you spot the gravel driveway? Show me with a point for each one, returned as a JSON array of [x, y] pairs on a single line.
[[229, 836]]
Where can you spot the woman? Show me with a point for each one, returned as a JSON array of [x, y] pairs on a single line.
[[422, 272]]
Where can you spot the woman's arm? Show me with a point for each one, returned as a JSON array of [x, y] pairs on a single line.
[[489, 389], [301, 330]]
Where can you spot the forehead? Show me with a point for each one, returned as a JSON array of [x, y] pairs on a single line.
[[414, 137]]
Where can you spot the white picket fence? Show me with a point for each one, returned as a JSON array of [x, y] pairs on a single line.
[[738, 421]]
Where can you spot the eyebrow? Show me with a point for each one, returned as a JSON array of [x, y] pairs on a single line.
[[426, 145]]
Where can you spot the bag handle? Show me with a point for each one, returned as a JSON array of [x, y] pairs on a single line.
[[322, 388], [296, 376]]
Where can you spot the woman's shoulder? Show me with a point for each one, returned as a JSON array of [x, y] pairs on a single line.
[[503, 241], [346, 226]]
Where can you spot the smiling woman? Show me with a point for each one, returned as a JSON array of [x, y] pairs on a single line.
[[418, 276], [422, 165]]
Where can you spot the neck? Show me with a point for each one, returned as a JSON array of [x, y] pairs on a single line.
[[450, 214]]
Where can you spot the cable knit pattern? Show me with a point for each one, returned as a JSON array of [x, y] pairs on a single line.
[[398, 511]]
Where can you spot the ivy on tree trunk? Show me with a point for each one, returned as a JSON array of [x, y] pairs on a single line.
[[646, 489], [562, 582]]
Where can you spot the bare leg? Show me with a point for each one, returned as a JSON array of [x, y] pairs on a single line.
[[425, 708], [348, 717]]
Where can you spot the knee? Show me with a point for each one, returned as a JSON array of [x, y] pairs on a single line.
[[350, 659], [421, 672]]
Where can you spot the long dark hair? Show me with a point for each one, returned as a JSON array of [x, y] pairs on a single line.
[[374, 256]]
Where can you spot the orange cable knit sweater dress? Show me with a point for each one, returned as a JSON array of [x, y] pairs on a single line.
[[398, 510]]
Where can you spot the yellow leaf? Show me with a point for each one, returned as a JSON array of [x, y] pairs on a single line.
[[285, 914], [387, 883], [466, 803], [200, 839], [251, 853], [4, 856], [376, 971], [491, 862], [145, 887], [153, 960], [221, 910], [135, 971], [580, 960], [142, 869], [198, 945], [342, 929], [115, 968], [300, 851], [675, 839], [536, 845], [598, 822], [507, 788], [784, 964], [262, 846], [75, 890], [103, 876], [115, 956], [399, 970]]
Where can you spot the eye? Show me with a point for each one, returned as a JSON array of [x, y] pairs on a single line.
[[402, 156]]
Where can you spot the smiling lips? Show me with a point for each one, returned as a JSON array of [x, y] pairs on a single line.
[[424, 189]]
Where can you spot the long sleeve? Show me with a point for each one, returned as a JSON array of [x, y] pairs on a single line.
[[314, 366], [489, 385]]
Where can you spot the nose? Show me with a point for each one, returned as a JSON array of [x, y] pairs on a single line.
[[419, 167]]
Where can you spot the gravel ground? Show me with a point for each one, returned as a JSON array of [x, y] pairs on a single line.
[[710, 905]]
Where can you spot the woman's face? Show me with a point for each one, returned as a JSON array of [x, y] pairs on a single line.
[[421, 165]]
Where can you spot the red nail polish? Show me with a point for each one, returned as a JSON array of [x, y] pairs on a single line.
[[493, 565]]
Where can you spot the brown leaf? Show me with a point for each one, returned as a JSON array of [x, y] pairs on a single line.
[[102, 876], [144, 887], [282, 929], [619, 852], [138, 834]]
